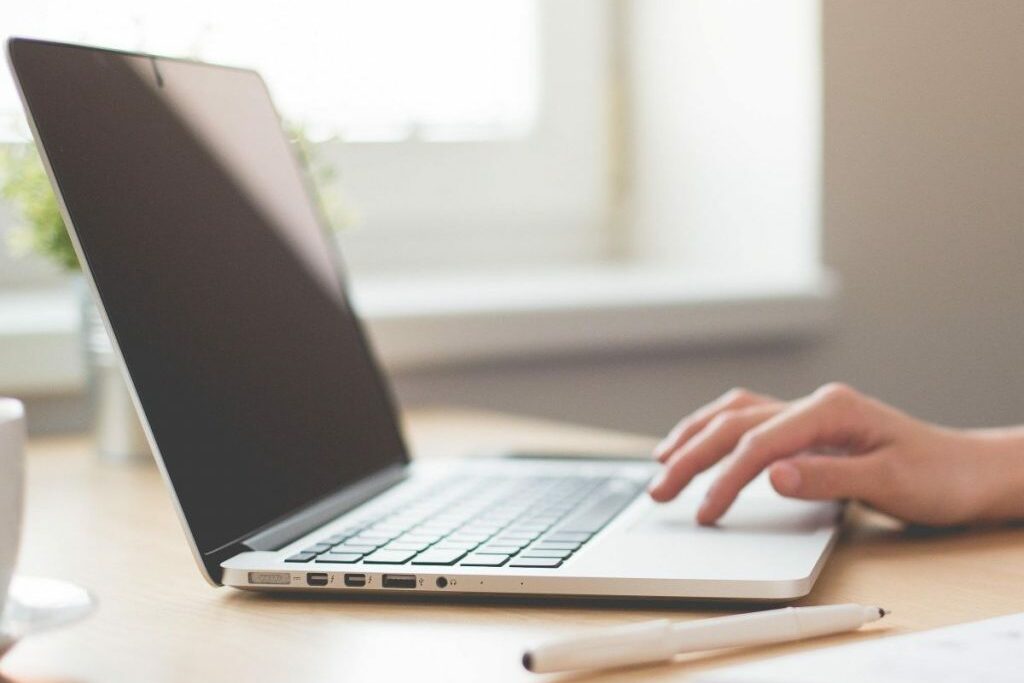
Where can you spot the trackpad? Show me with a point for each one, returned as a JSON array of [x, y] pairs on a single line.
[[758, 509]]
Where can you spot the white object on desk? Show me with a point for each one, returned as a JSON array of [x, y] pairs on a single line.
[[12, 481], [36, 604], [655, 641], [989, 651]]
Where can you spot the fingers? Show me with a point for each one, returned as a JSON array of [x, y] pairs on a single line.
[[717, 439], [833, 416], [828, 477], [689, 426]]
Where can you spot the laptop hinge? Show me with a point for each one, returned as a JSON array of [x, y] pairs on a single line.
[[309, 518]]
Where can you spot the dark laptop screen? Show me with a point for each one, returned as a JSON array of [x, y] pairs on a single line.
[[217, 278]]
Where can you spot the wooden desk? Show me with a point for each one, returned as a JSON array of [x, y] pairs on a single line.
[[111, 527]]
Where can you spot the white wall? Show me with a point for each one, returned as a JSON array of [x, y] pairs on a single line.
[[924, 221], [725, 133]]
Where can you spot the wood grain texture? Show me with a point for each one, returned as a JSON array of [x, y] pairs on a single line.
[[112, 528]]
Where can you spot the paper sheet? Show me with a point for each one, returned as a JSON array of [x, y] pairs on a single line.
[[989, 651]]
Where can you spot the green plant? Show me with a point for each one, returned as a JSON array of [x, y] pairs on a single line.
[[334, 204], [25, 185]]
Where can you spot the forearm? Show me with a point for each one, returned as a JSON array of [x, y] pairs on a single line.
[[1001, 466]]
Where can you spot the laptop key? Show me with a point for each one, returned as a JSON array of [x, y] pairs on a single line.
[[353, 548], [418, 538], [530, 527], [480, 528], [537, 562], [465, 545], [317, 549], [443, 556], [519, 533], [558, 545], [482, 560], [545, 552], [475, 537], [337, 538], [363, 542], [339, 558], [498, 549], [433, 529], [406, 545], [301, 557], [389, 557], [378, 538], [567, 536]]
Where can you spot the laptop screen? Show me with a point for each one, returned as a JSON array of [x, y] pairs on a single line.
[[218, 279]]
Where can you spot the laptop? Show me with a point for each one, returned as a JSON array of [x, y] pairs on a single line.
[[268, 414]]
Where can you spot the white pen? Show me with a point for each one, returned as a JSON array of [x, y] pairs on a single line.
[[655, 641]]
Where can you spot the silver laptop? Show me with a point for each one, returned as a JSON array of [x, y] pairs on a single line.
[[272, 423]]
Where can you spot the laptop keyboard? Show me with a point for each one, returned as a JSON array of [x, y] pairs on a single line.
[[489, 521]]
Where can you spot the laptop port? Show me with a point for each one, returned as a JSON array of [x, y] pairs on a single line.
[[316, 578], [356, 580], [399, 581]]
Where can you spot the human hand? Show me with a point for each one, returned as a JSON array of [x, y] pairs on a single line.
[[837, 443]]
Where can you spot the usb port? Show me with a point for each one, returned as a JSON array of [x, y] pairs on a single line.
[[316, 578], [399, 581], [357, 580]]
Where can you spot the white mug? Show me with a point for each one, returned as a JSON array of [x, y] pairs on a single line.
[[12, 481]]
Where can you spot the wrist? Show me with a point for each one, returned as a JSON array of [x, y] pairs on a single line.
[[999, 458]]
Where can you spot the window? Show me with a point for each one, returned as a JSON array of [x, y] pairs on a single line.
[[461, 132]]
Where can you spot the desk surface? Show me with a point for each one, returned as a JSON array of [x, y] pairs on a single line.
[[112, 528]]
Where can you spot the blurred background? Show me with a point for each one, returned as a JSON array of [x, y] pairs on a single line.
[[605, 211]]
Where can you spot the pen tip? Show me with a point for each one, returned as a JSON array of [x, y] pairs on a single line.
[[882, 612], [527, 661]]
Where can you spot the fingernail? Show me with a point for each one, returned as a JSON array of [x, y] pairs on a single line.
[[786, 478]]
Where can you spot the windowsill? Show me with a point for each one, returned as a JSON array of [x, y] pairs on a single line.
[[430, 321]]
